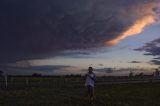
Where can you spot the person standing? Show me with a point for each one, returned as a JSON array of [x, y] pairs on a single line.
[[90, 78]]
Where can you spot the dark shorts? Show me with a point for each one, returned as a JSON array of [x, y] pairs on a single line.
[[90, 90]]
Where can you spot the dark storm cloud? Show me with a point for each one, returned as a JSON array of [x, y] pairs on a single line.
[[32, 27]]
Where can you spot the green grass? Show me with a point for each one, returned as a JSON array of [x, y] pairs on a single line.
[[74, 94]]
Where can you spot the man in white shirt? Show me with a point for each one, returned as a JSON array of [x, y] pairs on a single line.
[[89, 83]]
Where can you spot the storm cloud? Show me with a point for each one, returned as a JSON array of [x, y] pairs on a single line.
[[42, 26]]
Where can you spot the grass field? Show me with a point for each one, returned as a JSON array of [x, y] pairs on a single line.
[[71, 92]]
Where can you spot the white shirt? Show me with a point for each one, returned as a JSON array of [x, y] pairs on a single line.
[[89, 80]]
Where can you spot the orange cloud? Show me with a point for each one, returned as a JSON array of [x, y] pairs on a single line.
[[139, 24]]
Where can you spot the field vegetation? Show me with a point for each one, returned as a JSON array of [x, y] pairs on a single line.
[[70, 91]]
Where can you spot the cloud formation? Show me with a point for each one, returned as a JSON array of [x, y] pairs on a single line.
[[146, 16], [135, 62], [42, 26], [152, 48], [44, 69], [156, 62]]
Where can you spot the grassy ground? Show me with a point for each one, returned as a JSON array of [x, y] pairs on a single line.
[[73, 94]]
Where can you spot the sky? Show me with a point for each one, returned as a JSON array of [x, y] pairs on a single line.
[[57, 37]]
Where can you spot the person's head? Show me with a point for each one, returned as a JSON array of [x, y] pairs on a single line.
[[90, 69]]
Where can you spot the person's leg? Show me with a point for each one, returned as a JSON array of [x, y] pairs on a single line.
[[87, 91], [91, 93]]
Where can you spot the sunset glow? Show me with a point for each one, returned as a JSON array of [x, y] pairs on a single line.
[[136, 28]]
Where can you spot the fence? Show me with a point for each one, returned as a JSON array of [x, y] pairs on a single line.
[[23, 82]]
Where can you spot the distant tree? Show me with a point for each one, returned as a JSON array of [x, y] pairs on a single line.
[[141, 74], [36, 75], [157, 72], [131, 74]]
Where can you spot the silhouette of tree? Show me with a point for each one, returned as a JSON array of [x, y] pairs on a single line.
[[157, 72], [131, 74], [141, 74], [36, 75]]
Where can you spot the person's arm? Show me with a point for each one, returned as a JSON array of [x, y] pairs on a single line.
[[93, 78]]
